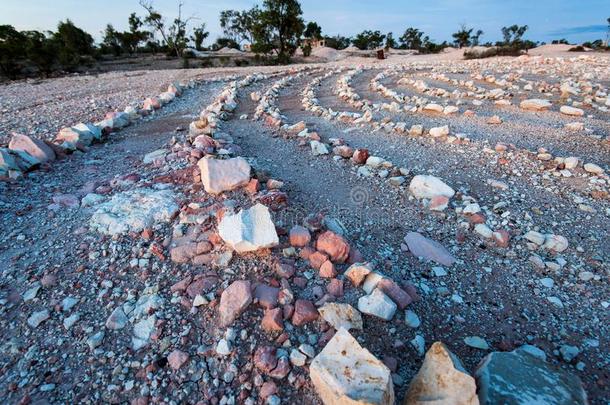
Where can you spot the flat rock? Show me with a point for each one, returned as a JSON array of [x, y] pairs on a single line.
[[427, 186], [234, 299], [32, 146], [346, 373], [429, 249], [223, 175], [341, 316], [442, 379], [535, 104], [518, 377], [134, 211], [249, 230], [377, 304]]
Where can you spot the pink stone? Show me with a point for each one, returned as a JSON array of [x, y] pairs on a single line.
[[299, 236], [272, 320], [32, 146], [177, 358], [233, 301], [393, 290], [304, 312], [334, 246]]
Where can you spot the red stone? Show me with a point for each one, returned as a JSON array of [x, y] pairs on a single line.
[[272, 321], [316, 260], [299, 236], [327, 270], [397, 294], [360, 156], [304, 312], [264, 358], [335, 287], [334, 246]]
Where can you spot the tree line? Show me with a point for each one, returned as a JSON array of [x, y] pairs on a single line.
[[274, 30]]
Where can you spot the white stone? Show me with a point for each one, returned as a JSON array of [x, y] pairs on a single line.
[[535, 104], [249, 230], [219, 175], [341, 316], [439, 131], [427, 186], [318, 148], [377, 304], [567, 110], [593, 168], [346, 373]]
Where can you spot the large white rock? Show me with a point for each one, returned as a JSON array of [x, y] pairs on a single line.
[[377, 304], [520, 377], [567, 110], [32, 146], [442, 379], [134, 211], [249, 230], [345, 373], [427, 186], [535, 104], [341, 316], [222, 175]]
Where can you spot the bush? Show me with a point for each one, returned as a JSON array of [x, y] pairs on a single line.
[[477, 53], [578, 48], [306, 50]]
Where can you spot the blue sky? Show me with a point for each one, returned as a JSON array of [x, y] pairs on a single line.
[[576, 20]]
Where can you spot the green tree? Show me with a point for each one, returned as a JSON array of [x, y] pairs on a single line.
[[278, 28], [412, 39], [11, 50], [476, 37], [368, 40], [41, 51], [225, 42], [111, 41], [174, 35], [199, 35], [239, 25], [337, 42], [512, 35], [72, 44], [390, 42], [313, 30], [463, 38]]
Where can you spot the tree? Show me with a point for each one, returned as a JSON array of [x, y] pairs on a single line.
[[412, 39], [337, 42], [199, 35], [476, 37], [111, 41], [131, 40], [224, 42], [368, 40], [72, 43], [41, 51], [239, 25], [278, 27], [313, 30], [390, 42], [513, 34], [173, 35], [463, 38], [608, 33], [11, 50]]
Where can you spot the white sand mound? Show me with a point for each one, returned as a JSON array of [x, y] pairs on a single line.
[[326, 53], [229, 50]]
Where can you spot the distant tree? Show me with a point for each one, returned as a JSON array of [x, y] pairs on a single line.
[[313, 30], [512, 35], [11, 50], [368, 40], [278, 27], [174, 35], [337, 42], [562, 41], [463, 37], [41, 51], [132, 39], [476, 37], [199, 35], [239, 25], [72, 43], [412, 39], [224, 42], [306, 49], [390, 42], [111, 41], [608, 33]]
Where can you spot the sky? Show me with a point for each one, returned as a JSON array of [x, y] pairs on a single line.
[[575, 20]]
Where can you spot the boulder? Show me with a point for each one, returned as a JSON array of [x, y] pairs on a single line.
[[32, 146], [441, 380], [346, 373], [427, 186], [249, 230], [134, 211], [429, 249], [234, 299], [573, 111], [520, 377], [535, 104], [341, 316], [222, 175]]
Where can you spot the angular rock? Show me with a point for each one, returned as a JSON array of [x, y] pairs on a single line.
[[223, 175], [442, 379], [429, 249], [518, 377], [377, 304], [535, 104], [299, 236], [341, 316], [234, 299], [426, 186], [304, 312], [346, 373], [357, 272], [334, 246], [32, 146], [177, 359], [249, 230]]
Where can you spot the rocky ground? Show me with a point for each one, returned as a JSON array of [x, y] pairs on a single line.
[[306, 234]]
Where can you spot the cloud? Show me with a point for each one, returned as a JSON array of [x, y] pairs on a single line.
[[586, 29]]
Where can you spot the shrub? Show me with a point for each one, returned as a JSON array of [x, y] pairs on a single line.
[[578, 48], [306, 50]]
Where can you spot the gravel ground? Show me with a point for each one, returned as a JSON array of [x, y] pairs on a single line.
[[499, 294]]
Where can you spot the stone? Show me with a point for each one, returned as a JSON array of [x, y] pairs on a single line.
[[346, 373], [535, 104], [432, 107], [299, 236], [360, 156], [570, 162], [327, 270], [377, 304], [234, 299], [442, 379], [573, 111], [593, 168], [555, 243], [411, 319], [7, 162], [437, 132], [142, 332], [334, 246], [155, 155], [357, 272], [518, 377], [265, 358], [38, 317], [427, 186], [266, 295], [341, 316], [223, 175], [304, 312], [32, 146], [117, 319], [416, 130], [272, 320], [420, 246], [476, 342], [535, 237], [134, 211], [483, 230], [393, 290], [318, 148], [249, 230], [438, 203], [177, 359]]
